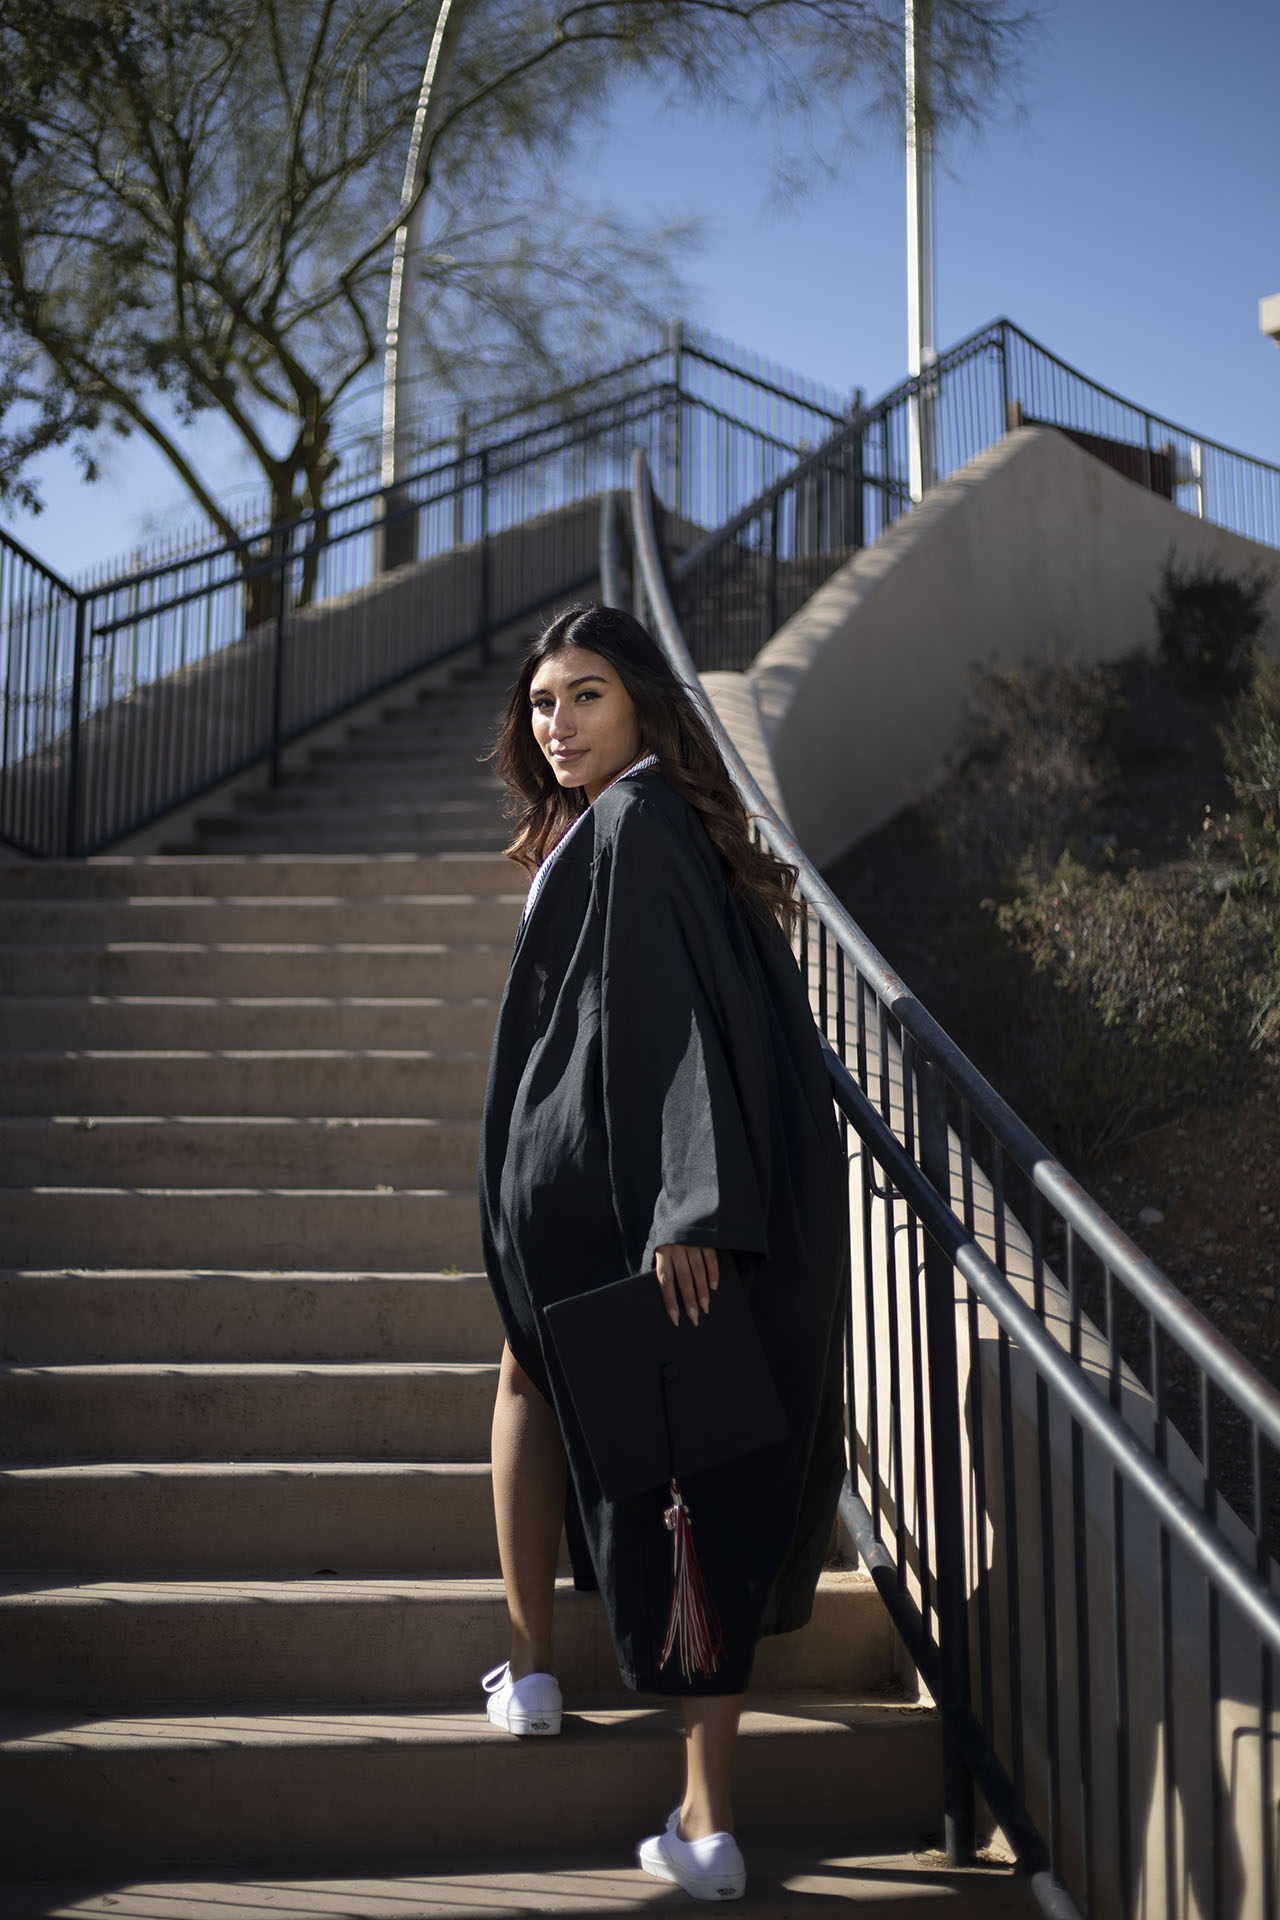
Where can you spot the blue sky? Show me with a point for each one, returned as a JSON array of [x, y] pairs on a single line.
[[1129, 219]]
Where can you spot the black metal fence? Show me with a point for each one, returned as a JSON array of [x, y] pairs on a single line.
[[736, 587], [126, 698], [1037, 1423]]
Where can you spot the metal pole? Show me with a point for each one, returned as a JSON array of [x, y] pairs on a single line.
[[73, 742], [486, 562], [280, 541], [675, 346], [406, 253], [460, 481], [921, 351], [948, 1476]]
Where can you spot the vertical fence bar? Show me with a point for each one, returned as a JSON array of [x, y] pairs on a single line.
[[279, 570], [948, 1489], [486, 560], [74, 736]]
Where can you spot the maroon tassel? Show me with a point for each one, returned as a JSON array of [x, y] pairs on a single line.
[[694, 1625]]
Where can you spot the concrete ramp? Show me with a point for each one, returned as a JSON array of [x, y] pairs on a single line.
[[1034, 552]]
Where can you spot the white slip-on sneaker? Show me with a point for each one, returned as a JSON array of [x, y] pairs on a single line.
[[530, 1705], [710, 1869]]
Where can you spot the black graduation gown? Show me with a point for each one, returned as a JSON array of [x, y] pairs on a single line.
[[656, 1079]]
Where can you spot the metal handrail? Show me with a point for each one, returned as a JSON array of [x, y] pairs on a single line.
[[1094, 1413], [1233, 1372]]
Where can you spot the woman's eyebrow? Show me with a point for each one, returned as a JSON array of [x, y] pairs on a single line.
[[536, 693]]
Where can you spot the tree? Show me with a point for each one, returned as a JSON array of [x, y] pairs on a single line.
[[198, 198]]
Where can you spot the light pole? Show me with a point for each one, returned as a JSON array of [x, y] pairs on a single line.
[[921, 351], [397, 352]]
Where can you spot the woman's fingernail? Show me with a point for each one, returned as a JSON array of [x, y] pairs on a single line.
[[693, 1315]]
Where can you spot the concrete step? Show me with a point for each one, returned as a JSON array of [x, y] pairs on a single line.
[[784, 1882], [448, 800], [416, 813], [112, 1641], [154, 1022], [276, 970], [370, 781], [416, 743], [408, 920], [347, 1083], [198, 1150], [281, 1516], [291, 1227], [367, 766], [813, 1770], [51, 1316], [118, 876], [247, 1410], [346, 834]]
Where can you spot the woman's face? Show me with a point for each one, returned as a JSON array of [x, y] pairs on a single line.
[[583, 720]]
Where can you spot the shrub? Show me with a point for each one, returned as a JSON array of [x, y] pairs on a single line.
[[1251, 751], [1034, 775], [1137, 997], [1208, 622]]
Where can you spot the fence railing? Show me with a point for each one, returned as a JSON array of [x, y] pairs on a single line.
[[701, 373], [1061, 1477], [736, 587], [128, 698]]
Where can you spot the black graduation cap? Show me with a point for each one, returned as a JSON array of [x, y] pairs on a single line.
[[657, 1401]]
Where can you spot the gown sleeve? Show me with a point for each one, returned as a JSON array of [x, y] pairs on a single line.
[[684, 1080]]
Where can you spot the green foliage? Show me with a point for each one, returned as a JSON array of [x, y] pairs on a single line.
[[1118, 995], [1251, 752], [1036, 772], [1137, 996], [1208, 622]]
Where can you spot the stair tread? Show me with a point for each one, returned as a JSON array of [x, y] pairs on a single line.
[[247, 1369], [766, 1716], [275, 1469], [19, 1590], [213, 1193], [267, 1276], [783, 1883], [277, 1002]]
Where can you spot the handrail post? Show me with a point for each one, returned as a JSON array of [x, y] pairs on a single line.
[[281, 565], [1146, 452], [1004, 378], [948, 1487], [675, 346], [859, 525], [460, 480], [73, 836], [771, 604], [486, 560]]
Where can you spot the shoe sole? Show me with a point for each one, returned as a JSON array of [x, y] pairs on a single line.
[[527, 1724], [703, 1886]]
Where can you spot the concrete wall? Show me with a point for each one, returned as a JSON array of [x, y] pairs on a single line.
[[1036, 551]]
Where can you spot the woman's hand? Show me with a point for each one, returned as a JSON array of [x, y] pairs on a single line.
[[688, 1275]]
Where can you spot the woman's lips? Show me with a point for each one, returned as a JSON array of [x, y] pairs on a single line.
[[566, 759]]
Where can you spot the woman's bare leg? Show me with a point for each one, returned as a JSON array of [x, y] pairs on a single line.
[[710, 1734], [528, 1504]]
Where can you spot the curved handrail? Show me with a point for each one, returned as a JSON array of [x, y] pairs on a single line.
[[914, 1175], [1233, 1373]]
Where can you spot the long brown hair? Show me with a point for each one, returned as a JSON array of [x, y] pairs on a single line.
[[670, 727]]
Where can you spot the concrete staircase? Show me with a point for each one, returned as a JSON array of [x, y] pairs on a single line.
[[248, 1575]]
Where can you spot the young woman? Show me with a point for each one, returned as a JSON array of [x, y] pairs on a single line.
[[656, 1098]]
